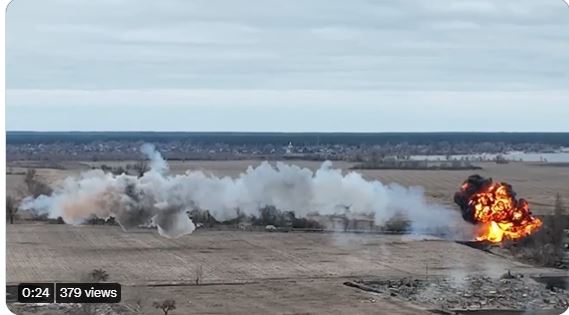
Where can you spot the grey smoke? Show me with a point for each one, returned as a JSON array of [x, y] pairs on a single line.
[[157, 163], [161, 199]]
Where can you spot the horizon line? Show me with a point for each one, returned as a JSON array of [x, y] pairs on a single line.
[[317, 132]]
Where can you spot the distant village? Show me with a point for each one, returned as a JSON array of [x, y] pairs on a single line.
[[186, 150]]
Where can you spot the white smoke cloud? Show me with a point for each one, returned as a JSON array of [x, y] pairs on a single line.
[[157, 163], [161, 199]]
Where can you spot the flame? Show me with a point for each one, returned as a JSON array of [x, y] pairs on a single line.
[[497, 212]]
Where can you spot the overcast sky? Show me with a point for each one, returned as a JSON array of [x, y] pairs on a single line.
[[288, 65]]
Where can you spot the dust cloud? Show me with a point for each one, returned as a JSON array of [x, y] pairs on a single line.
[[158, 198]]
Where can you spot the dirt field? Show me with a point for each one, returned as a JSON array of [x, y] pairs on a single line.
[[538, 184], [244, 272], [261, 272], [64, 252]]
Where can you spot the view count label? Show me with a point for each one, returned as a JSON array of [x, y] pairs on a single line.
[[88, 293]]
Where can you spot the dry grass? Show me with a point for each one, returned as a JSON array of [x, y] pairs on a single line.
[[243, 272], [46, 252]]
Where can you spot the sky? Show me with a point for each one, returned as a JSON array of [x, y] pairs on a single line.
[[287, 65]]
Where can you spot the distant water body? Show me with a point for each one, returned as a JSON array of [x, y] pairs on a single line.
[[553, 157]]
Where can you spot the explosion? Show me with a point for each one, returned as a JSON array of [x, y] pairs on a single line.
[[494, 208]]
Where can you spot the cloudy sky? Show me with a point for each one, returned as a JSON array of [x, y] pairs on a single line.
[[288, 65]]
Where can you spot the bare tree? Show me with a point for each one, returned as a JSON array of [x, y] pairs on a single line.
[[199, 274], [98, 275], [559, 210], [140, 168], [34, 185], [546, 247], [136, 307], [166, 306], [558, 225], [11, 209]]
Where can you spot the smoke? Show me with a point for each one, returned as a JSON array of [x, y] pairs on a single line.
[[161, 199], [157, 163]]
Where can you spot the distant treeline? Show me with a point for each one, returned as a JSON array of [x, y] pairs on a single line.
[[276, 138], [393, 164]]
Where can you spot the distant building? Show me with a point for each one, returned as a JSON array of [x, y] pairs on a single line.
[[289, 148]]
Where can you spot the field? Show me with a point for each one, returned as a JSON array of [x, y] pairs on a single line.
[[261, 272], [536, 183], [243, 272]]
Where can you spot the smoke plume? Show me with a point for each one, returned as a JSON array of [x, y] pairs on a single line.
[[160, 199]]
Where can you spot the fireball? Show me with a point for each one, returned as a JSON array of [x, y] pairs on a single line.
[[493, 207]]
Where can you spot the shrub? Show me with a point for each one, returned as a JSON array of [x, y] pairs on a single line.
[[11, 209], [199, 275], [303, 223], [545, 247], [98, 275], [34, 185], [398, 223], [166, 306], [203, 217]]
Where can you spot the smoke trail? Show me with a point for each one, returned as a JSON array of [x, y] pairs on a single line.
[[161, 199], [157, 163]]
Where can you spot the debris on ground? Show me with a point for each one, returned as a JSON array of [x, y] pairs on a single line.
[[69, 308], [511, 291]]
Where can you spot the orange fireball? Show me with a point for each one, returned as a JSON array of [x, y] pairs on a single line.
[[496, 211]]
